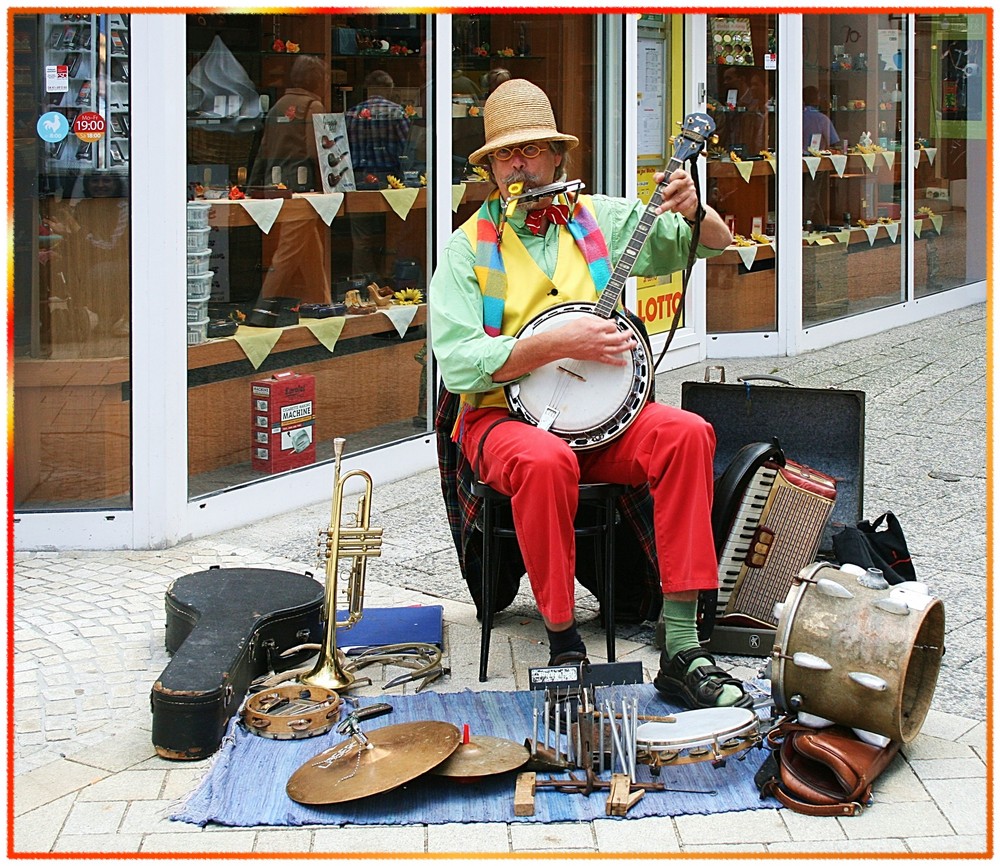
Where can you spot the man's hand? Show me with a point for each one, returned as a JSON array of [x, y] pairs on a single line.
[[585, 338], [679, 195]]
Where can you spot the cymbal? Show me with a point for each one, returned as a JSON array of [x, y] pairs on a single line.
[[483, 756], [395, 755]]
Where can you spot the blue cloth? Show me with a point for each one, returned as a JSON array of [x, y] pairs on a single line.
[[246, 785]]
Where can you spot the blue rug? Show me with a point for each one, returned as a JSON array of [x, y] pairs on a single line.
[[245, 786]]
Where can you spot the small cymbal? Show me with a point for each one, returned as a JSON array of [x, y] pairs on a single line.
[[483, 756], [394, 755]]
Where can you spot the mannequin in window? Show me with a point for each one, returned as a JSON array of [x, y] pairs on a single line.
[[299, 266]]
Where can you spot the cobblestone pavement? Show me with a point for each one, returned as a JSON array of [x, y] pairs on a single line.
[[89, 643]]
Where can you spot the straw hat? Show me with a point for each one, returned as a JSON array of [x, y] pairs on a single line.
[[515, 113]]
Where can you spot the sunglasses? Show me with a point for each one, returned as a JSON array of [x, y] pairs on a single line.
[[528, 151]]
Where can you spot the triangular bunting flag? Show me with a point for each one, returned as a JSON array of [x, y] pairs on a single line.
[[916, 157], [839, 161], [869, 159], [918, 227], [400, 200], [748, 254], [745, 169], [257, 342], [844, 236], [400, 315], [937, 221], [326, 331], [774, 165], [871, 231], [890, 157], [326, 205], [812, 162], [263, 211], [931, 153], [457, 194], [893, 230]]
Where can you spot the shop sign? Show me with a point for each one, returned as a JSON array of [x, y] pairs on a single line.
[[52, 126], [89, 126]]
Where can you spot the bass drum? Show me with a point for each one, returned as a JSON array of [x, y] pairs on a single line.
[[862, 657]]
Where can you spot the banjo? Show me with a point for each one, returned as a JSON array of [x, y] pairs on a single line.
[[587, 403]]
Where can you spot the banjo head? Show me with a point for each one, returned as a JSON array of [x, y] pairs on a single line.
[[592, 403]]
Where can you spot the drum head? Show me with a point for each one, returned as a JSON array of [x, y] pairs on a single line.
[[697, 728]]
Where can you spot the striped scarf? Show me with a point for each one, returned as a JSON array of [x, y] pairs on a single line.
[[489, 263]]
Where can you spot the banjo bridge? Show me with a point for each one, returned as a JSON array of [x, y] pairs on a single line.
[[572, 373]]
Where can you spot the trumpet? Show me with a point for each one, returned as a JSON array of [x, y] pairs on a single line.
[[356, 542]]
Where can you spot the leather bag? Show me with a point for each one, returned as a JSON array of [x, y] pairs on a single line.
[[829, 771]]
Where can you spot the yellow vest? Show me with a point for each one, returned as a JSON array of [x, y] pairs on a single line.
[[529, 290]]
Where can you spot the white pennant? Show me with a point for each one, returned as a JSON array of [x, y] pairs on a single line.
[[813, 163], [839, 161], [890, 157], [918, 227], [931, 153], [748, 254], [869, 159], [871, 231], [893, 230], [937, 221]]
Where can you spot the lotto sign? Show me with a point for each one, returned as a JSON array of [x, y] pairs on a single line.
[[89, 126]]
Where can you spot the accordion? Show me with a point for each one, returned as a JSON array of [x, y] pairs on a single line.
[[775, 532]]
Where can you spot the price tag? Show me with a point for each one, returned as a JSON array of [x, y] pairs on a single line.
[[89, 126], [770, 61], [56, 79]]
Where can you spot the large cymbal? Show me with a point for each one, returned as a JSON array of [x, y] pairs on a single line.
[[483, 756], [395, 755]]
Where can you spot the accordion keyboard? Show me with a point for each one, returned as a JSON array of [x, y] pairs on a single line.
[[776, 532]]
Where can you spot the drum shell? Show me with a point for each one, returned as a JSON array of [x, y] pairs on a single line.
[[855, 635]]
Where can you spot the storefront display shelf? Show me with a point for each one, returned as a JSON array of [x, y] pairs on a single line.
[[226, 349]]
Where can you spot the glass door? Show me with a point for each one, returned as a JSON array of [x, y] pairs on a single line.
[[72, 211]]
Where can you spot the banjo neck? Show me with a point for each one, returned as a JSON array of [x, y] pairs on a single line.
[[612, 293]]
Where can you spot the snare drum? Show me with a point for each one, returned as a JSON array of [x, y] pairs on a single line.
[[293, 712], [697, 735], [861, 657]]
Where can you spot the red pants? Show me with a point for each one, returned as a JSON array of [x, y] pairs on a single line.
[[667, 447]]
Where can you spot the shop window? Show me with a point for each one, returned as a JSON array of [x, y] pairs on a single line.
[[489, 49], [307, 238], [71, 206], [854, 164], [742, 80], [950, 152]]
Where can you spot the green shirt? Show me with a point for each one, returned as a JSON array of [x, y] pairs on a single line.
[[466, 354]]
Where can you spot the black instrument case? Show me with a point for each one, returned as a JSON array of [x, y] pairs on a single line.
[[225, 627], [822, 428]]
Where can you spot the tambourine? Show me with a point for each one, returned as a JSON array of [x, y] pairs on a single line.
[[711, 734], [292, 712]]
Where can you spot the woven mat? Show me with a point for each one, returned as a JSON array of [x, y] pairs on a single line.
[[245, 786]]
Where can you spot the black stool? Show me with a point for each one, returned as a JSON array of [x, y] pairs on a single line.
[[598, 500]]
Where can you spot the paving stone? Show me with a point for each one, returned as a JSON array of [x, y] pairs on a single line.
[[636, 835], [903, 820], [222, 841], [374, 838], [468, 838], [37, 830], [94, 818], [551, 838], [760, 825]]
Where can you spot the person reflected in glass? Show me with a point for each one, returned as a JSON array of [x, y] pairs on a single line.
[[299, 266], [378, 131], [819, 135]]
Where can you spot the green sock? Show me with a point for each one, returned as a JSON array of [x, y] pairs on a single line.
[[680, 632]]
